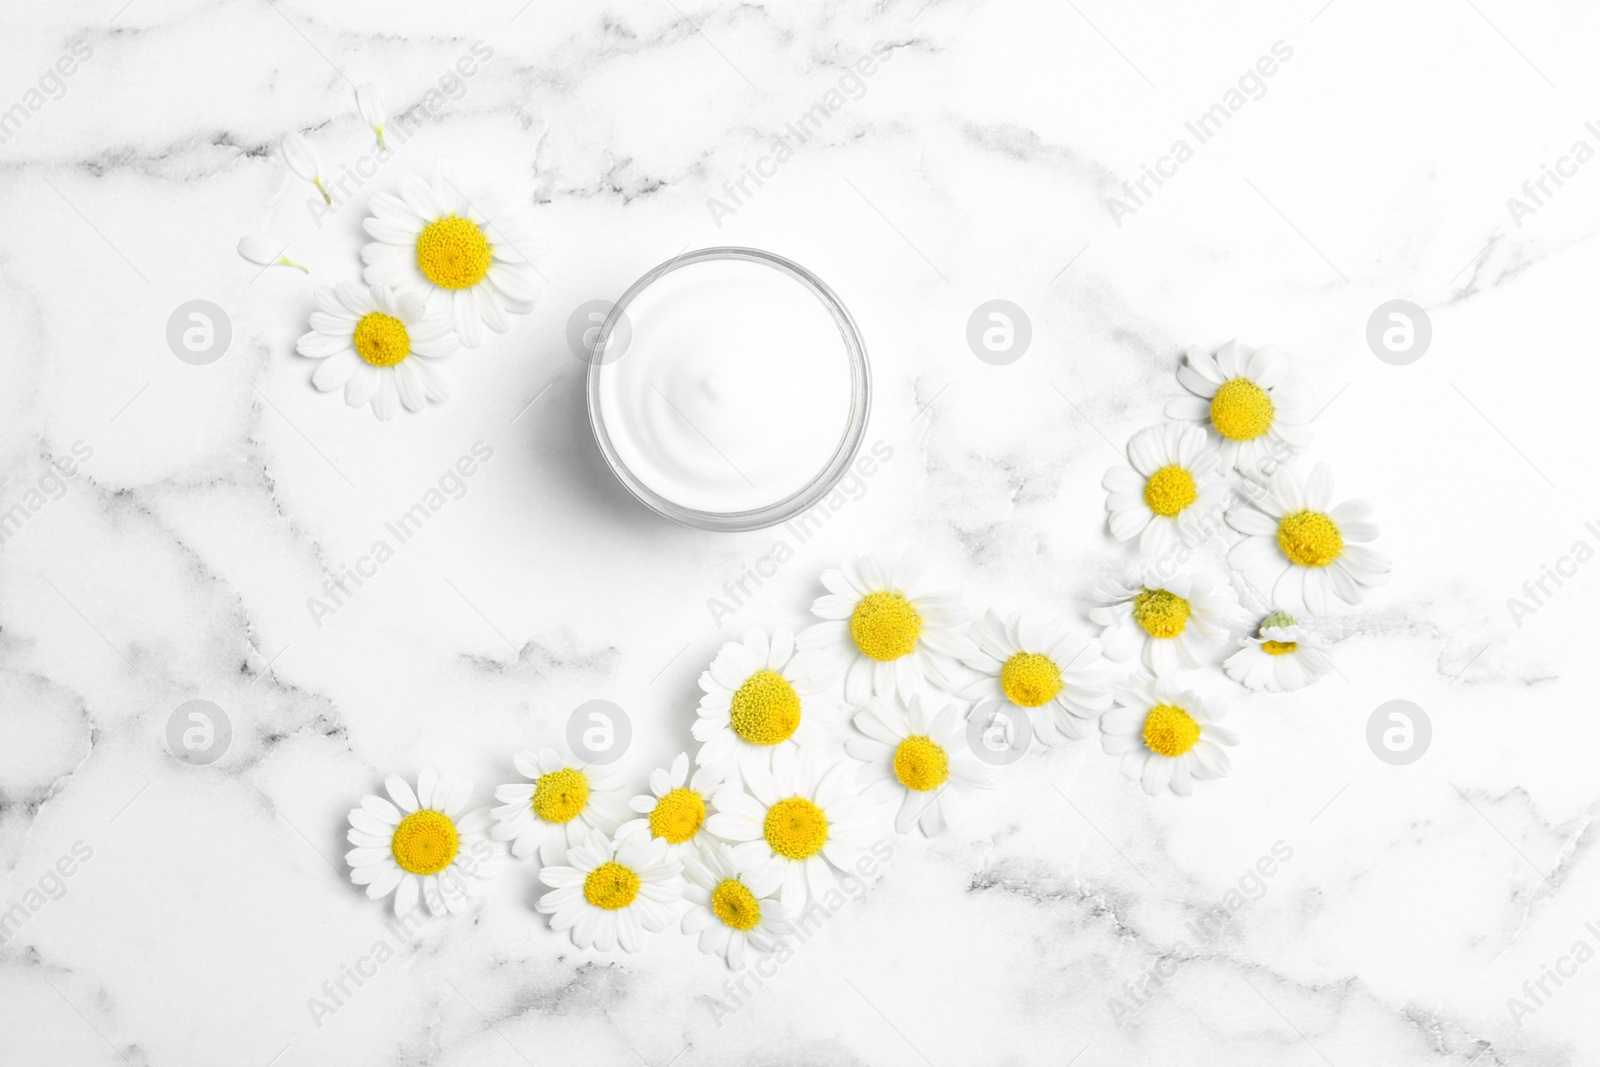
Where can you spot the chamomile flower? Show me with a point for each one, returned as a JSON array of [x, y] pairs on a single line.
[[366, 339], [1168, 497], [1241, 393], [883, 629], [922, 760], [803, 813], [674, 810], [1283, 656], [474, 254], [1167, 622], [562, 802], [1057, 678], [753, 701], [421, 845], [732, 908], [1301, 549], [1167, 736], [609, 894]]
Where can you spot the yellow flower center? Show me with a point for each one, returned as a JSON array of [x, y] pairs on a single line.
[[1169, 490], [920, 764], [765, 710], [677, 816], [885, 626], [1030, 680], [1278, 648], [381, 339], [1241, 410], [611, 886], [425, 842], [560, 796], [1170, 730], [795, 828], [735, 905], [1160, 613], [453, 253], [1310, 538]]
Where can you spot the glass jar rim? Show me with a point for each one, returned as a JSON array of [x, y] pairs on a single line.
[[802, 499]]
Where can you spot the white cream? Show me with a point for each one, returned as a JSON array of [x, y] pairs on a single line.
[[734, 391]]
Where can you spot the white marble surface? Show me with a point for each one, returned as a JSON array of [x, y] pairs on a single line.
[[977, 164]]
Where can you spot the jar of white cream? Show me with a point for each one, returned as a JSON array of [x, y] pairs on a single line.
[[728, 389]]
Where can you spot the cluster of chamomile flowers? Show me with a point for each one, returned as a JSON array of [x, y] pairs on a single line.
[[1224, 458], [444, 264], [737, 844]]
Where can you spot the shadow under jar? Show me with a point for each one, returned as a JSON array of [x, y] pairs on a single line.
[[728, 389]]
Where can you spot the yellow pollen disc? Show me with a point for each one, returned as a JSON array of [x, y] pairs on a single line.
[[1169, 490], [795, 828], [611, 886], [560, 796], [765, 710], [735, 905], [1170, 730], [677, 816], [1241, 410], [1278, 648], [920, 764], [1030, 680], [453, 253], [425, 842], [885, 626], [1160, 613], [1310, 538], [381, 339]]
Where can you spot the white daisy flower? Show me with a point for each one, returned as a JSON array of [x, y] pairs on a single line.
[[883, 630], [753, 701], [1301, 549], [265, 252], [303, 160], [473, 253], [365, 339], [732, 908], [1168, 497], [1166, 736], [1167, 621], [1242, 394], [803, 813], [674, 810], [421, 845], [1283, 656], [922, 760], [369, 101], [1055, 677], [558, 807], [608, 894]]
